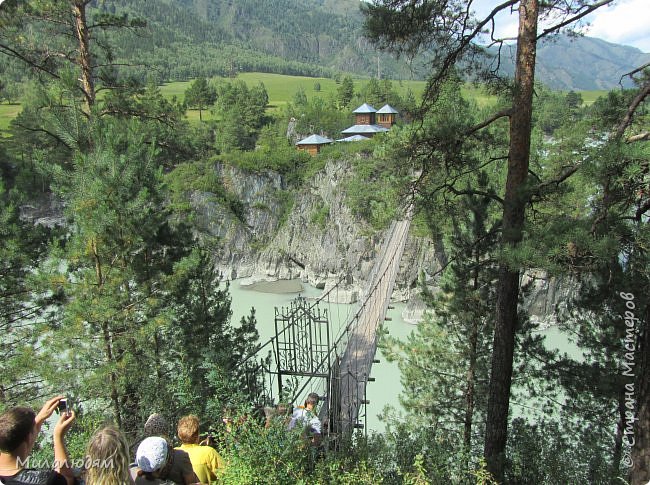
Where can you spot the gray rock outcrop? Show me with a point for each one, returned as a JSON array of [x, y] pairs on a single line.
[[320, 241]]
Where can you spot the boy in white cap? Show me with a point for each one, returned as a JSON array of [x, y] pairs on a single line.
[[151, 458]]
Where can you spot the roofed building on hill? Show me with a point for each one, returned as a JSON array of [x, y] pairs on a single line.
[[365, 114], [366, 117], [386, 116], [354, 138], [365, 130], [369, 122], [312, 144]]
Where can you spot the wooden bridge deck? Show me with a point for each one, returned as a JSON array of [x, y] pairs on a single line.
[[356, 362]]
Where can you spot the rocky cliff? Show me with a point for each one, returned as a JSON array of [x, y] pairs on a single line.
[[316, 238]]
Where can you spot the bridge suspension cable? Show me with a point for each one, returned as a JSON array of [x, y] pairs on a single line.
[[302, 345]]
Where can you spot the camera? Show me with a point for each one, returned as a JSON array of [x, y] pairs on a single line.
[[208, 438], [62, 407]]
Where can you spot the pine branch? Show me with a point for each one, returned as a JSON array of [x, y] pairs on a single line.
[[47, 132], [589, 9], [5, 49], [618, 134], [455, 191], [21, 311], [460, 254], [507, 112], [163, 118], [634, 71], [452, 57], [541, 188], [22, 383], [642, 210], [636, 102]]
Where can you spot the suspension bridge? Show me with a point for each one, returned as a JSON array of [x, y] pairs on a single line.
[[305, 356]]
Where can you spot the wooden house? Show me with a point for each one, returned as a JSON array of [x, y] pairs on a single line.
[[386, 116], [365, 114], [366, 121], [369, 122], [312, 144]]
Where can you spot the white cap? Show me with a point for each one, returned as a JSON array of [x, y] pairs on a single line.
[[151, 454]]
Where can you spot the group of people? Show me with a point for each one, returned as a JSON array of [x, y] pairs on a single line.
[[156, 461], [108, 461]]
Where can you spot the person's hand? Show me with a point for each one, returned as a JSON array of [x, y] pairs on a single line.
[[46, 411], [64, 423], [208, 441]]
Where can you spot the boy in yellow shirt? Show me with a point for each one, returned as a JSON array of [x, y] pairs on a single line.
[[206, 462]]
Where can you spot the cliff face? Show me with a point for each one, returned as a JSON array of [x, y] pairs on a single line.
[[318, 240], [261, 194]]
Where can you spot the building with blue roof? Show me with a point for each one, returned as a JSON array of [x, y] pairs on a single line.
[[386, 116], [312, 144], [366, 127], [366, 124]]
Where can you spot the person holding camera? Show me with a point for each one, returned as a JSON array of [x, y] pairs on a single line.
[[206, 462], [19, 429], [305, 417]]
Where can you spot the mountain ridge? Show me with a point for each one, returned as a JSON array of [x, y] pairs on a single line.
[[323, 37]]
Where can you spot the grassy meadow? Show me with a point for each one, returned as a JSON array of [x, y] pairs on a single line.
[[590, 96], [281, 90], [7, 113]]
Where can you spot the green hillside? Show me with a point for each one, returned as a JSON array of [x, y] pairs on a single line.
[[7, 113], [320, 38], [184, 39], [188, 38]]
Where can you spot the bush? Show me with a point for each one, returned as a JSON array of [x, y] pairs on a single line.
[[545, 453], [320, 215], [376, 191]]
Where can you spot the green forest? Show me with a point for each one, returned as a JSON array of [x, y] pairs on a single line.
[[109, 293]]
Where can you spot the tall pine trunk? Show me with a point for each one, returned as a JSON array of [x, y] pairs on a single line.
[[85, 57], [512, 226], [470, 389], [108, 340], [618, 437]]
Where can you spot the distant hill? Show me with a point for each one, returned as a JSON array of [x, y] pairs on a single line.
[[583, 63], [321, 37]]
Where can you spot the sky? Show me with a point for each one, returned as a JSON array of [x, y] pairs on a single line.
[[626, 22]]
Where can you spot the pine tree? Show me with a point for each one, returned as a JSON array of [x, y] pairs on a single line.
[[345, 92], [444, 363], [21, 248], [69, 43], [201, 343], [111, 269], [450, 30], [200, 95], [372, 93], [615, 272]]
